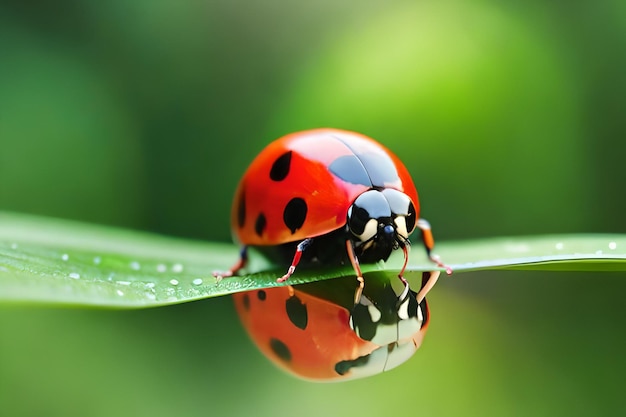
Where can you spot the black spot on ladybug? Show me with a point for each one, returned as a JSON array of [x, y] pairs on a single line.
[[362, 322], [280, 349], [350, 169], [241, 209], [297, 312], [261, 295], [295, 214], [344, 367], [246, 302], [260, 224], [380, 168], [280, 167]]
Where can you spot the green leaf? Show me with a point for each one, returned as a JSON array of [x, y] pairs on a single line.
[[57, 261]]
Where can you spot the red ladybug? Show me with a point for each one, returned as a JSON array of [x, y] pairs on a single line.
[[324, 197], [315, 332]]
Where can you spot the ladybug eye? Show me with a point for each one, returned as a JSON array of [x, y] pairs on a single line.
[[361, 224], [371, 228], [410, 219]]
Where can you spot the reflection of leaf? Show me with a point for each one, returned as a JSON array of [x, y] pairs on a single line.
[[54, 261]]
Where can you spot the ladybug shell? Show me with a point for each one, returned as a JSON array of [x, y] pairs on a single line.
[[305, 330], [303, 184]]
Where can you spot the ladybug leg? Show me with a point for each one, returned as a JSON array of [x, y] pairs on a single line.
[[296, 259], [357, 270], [405, 249], [241, 263], [429, 279], [429, 244]]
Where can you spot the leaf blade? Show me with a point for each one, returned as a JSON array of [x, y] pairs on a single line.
[[51, 261]]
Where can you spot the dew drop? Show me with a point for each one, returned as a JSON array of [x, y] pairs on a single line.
[[74, 275], [135, 266], [97, 260], [174, 281], [13, 245], [120, 292], [197, 281], [177, 268], [150, 296], [123, 282], [150, 285], [612, 245], [161, 268], [559, 245], [65, 257]]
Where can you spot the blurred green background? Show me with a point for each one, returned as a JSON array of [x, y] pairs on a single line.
[[143, 114]]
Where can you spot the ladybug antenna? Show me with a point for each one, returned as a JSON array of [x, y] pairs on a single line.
[[402, 241]]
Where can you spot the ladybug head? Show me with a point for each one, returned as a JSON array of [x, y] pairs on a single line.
[[384, 317], [381, 221]]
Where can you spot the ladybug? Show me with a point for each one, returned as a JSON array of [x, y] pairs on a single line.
[[314, 331], [327, 197]]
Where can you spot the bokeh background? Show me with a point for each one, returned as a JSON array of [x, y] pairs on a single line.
[[143, 114]]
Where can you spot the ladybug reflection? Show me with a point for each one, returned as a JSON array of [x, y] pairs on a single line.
[[316, 332]]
